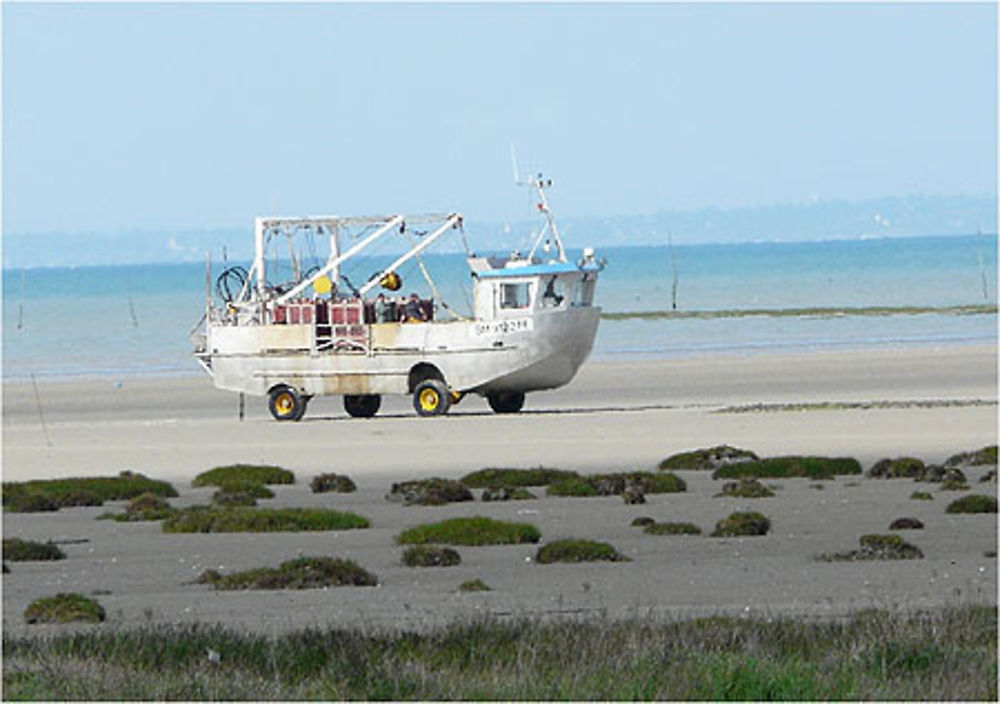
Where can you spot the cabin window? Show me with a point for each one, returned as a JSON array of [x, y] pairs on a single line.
[[554, 293], [515, 295], [585, 292]]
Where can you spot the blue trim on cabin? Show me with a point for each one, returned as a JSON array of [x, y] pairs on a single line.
[[538, 270]]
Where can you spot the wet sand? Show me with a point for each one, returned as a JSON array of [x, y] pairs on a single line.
[[615, 416]]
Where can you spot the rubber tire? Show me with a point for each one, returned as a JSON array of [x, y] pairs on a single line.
[[506, 401], [431, 398], [362, 405], [285, 403]]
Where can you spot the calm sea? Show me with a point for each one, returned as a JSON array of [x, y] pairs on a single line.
[[114, 321]]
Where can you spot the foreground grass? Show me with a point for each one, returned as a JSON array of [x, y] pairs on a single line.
[[85, 491], [205, 519], [948, 654]]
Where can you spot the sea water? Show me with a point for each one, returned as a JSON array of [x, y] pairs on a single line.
[[115, 321]]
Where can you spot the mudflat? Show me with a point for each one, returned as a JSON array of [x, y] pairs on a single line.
[[928, 403]]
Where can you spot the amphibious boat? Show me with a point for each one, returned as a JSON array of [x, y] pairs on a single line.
[[533, 320]]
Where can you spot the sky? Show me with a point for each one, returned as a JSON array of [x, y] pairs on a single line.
[[143, 117]]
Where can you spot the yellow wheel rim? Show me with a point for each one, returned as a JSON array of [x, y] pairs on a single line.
[[429, 399], [285, 404]]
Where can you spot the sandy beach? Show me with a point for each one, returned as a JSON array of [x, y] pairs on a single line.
[[615, 416]]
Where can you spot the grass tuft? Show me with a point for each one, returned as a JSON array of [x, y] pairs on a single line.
[[17, 550], [642, 521], [746, 488], [300, 573], [617, 484], [256, 473], [973, 503], [672, 529], [922, 496], [898, 468], [244, 486], [429, 492], [906, 523], [43, 494], [878, 547], [64, 608], [430, 556], [476, 530], [227, 499], [332, 482], [708, 458], [575, 550], [809, 467], [983, 456], [474, 585], [494, 478], [742, 523], [505, 493], [205, 519]]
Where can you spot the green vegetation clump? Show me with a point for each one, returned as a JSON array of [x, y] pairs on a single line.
[[617, 484], [672, 529], [256, 473], [493, 478], [983, 456], [430, 556], [642, 521], [708, 458], [477, 530], [742, 523], [878, 547], [6, 569], [474, 585], [505, 493], [746, 488], [942, 654], [17, 550], [573, 550], [206, 519], [332, 482], [973, 503], [790, 466], [224, 499], [244, 486], [24, 496], [429, 492], [921, 496], [300, 573], [906, 523], [952, 485], [898, 468], [144, 507], [64, 608]]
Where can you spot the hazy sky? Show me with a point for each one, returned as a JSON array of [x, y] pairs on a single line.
[[148, 116]]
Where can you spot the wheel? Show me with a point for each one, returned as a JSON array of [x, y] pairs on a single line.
[[285, 403], [362, 406], [506, 401], [431, 398]]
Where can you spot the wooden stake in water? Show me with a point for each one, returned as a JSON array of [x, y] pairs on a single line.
[[982, 268], [243, 405], [673, 271], [20, 303], [41, 416]]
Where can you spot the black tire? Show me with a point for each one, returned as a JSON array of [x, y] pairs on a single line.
[[431, 398], [363, 405], [285, 403], [506, 401]]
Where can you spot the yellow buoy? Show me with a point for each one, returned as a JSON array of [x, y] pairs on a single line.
[[391, 281], [323, 285]]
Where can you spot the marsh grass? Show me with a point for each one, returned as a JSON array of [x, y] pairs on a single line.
[[810, 467], [244, 486], [616, 484], [144, 507], [576, 550], [922, 496], [64, 608], [18, 550], [742, 523], [983, 456], [898, 468], [429, 492], [973, 503], [746, 488], [256, 473], [708, 458], [42, 494], [504, 493], [206, 519], [300, 573], [672, 529], [430, 556], [942, 655], [332, 482], [476, 530], [226, 499], [494, 478], [474, 585], [878, 547]]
